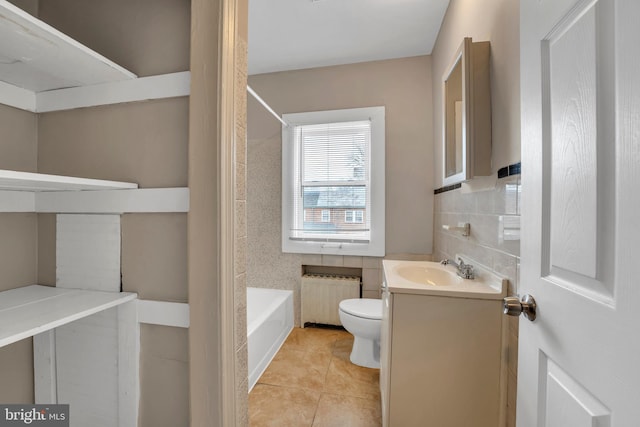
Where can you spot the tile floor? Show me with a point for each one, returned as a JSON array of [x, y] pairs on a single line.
[[312, 383]]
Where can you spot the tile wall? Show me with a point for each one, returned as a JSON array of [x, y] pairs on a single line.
[[371, 269], [240, 234], [485, 211]]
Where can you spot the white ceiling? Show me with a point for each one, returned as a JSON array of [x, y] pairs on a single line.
[[297, 34]]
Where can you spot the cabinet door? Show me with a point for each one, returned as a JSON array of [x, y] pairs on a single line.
[[445, 362]]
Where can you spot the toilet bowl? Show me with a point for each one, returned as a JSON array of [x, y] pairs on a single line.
[[362, 317]]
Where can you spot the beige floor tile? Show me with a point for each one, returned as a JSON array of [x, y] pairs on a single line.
[[314, 364], [296, 368], [342, 347], [346, 379], [313, 339], [343, 411], [273, 406]]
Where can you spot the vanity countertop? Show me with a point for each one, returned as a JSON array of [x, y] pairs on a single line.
[[433, 278]]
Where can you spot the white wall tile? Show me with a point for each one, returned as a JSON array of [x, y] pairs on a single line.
[[353, 261], [371, 294], [333, 260], [371, 262], [311, 259], [409, 257], [371, 279]]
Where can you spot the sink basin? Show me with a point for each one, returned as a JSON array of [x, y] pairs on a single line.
[[432, 276]]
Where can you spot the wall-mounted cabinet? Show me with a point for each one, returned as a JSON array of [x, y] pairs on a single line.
[[467, 114]]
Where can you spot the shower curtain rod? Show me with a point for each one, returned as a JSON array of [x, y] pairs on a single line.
[[265, 105]]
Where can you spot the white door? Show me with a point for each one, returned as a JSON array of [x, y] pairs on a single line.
[[579, 361]]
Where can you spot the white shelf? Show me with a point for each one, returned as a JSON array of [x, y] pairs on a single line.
[[37, 57], [141, 89], [36, 182], [42, 70], [41, 193], [31, 310]]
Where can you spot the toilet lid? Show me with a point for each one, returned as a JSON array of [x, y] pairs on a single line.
[[363, 307]]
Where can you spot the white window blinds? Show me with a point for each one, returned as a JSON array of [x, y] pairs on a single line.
[[328, 194], [333, 178]]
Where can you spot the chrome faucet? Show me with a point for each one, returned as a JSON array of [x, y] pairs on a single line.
[[464, 270]]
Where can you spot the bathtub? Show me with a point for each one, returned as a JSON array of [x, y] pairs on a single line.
[[269, 322]]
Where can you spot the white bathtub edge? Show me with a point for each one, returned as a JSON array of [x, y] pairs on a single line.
[[272, 323], [264, 363]]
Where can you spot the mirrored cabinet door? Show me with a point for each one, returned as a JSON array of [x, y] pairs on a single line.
[[467, 114]]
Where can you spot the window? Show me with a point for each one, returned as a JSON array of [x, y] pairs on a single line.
[[355, 217], [333, 169]]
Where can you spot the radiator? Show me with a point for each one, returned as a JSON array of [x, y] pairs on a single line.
[[321, 295]]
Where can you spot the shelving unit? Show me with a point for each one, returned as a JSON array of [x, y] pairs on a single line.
[[86, 341], [31, 310], [42, 69], [68, 324]]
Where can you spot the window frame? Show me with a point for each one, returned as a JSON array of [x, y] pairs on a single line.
[[290, 178]]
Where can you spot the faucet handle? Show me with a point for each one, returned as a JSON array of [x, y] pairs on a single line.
[[470, 274], [465, 270]]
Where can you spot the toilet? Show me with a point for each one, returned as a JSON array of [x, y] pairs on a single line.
[[362, 317]]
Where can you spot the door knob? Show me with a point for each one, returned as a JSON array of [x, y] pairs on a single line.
[[512, 306]]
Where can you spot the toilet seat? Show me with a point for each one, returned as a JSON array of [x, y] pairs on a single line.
[[366, 308]]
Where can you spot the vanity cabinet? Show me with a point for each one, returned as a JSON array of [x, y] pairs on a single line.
[[441, 361]]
